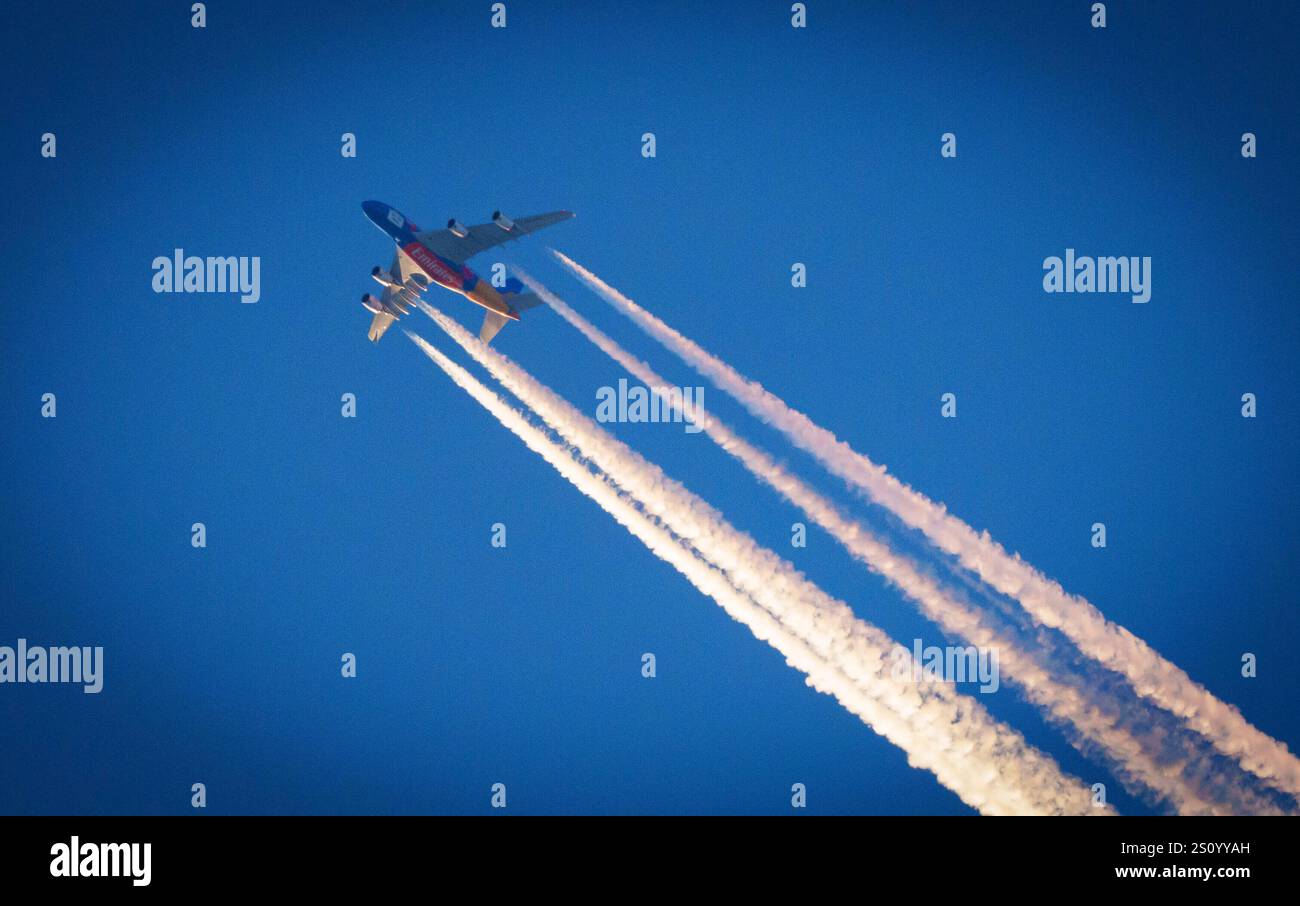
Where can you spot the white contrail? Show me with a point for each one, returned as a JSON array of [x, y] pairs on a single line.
[[1061, 701], [1151, 675], [987, 763], [901, 728]]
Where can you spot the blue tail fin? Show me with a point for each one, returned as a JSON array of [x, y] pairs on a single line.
[[516, 298]]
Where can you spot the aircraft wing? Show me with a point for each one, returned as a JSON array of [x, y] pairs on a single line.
[[392, 300], [486, 235], [379, 324], [403, 267]]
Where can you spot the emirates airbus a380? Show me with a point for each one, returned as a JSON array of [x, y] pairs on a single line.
[[439, 256]]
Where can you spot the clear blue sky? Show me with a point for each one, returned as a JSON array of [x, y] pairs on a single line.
[[370, 535]]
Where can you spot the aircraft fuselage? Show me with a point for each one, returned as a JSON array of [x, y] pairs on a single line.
[[456, 277]]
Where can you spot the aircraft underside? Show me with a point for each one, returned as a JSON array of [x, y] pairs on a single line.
[[437, 258]]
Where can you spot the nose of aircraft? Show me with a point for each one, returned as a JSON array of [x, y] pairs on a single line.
[[375, 210]]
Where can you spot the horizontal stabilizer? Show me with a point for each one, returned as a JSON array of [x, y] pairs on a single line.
[[524, 302], [492, 324]]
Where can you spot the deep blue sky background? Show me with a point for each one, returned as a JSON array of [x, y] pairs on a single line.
[[370, 535]]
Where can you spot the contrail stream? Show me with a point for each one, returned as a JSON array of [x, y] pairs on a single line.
[[1150, 675], [1062, 702], [989, 765]]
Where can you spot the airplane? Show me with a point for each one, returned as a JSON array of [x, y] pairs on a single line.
[[439, 256]]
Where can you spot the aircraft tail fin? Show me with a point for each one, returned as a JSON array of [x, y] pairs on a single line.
[[513, 293]]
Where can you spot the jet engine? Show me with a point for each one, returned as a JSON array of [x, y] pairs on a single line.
[[503, 221], [382, 277], [371, 304], [457, 228]]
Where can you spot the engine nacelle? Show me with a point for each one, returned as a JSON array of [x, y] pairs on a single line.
[[503, 221], [371, 304], [382, 277], [457, 228]]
